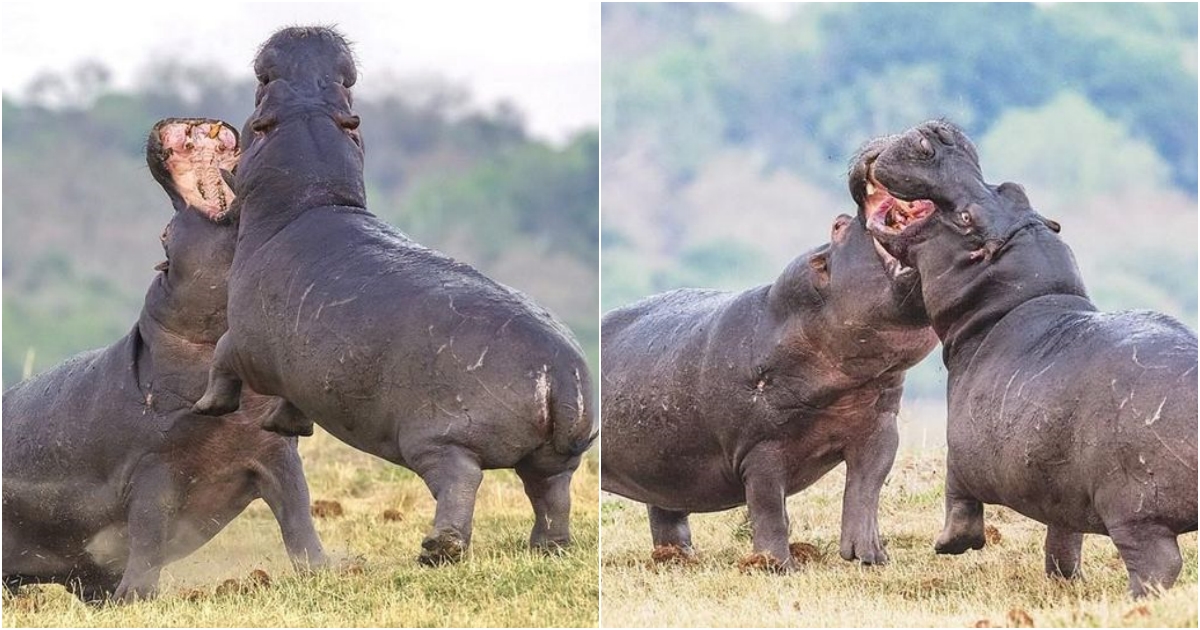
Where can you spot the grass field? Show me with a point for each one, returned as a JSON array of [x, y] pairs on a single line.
[[378, 582], [1001, 585]]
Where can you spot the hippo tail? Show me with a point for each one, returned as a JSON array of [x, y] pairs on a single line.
[[565, 404]]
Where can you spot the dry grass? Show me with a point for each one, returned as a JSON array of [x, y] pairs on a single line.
[[243, 578], [1002, 585]]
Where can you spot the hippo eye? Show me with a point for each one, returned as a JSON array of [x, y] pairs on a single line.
[[964, 217], [349, 123]]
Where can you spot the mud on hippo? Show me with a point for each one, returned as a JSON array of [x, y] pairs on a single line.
[[107, 473], [718, 399], [1079, 419], [395, 349]]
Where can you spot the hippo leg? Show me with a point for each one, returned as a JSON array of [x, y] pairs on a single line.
[[1151, 555], [766, 498], [453, 476], [867, 466], [224, 393], [964, 521], [286, 419], [150, 510], [669, 528], [286, 493], [1063, 551], [550, 496], [95, 590]]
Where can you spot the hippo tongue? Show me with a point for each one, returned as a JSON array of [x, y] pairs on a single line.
[[891, 214], [197, 153]]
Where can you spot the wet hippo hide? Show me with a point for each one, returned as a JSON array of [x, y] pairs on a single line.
[[394, 348], [107, 473], [1080, 419], [716, 399]]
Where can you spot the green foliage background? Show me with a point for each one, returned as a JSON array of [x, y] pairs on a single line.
[[727, 134], [82, 214]]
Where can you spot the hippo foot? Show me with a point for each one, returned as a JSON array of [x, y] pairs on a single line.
[[213, 405], [954, 542], [285, 430], [869, 552], [444, 547], [285, 419], [126, 594], [673, 554], [549, 546]]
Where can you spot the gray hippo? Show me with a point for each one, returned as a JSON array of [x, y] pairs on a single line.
[[107, 473], [717, 399], [393, 348], [1082, 420]]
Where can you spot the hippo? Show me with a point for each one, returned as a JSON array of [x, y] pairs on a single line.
[[1076, 418], [716, 399], [392, 347], [108, 475]]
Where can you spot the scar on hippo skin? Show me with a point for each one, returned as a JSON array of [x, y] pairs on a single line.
[[110, 477], [794, 378], [1042, 410], [394, 348]]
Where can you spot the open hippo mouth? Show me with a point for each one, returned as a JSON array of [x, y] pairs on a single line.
[[889, 216], [195, 152]]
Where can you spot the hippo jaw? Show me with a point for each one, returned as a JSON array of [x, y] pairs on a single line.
[[190, 158]]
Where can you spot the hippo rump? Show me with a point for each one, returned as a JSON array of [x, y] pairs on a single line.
[[715, 399], [1079, 419], [107, 473], [394, 348]]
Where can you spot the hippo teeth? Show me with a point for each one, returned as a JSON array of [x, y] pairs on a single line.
[[891, 264], [890, 213], [195, 152]]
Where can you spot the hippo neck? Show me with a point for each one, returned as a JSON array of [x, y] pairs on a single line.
[[269, 199], [808, 327], [174, 356], [263, 216], [966, 299]]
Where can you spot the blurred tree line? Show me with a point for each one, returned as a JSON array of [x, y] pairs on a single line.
[[727, 133], [82, 214]]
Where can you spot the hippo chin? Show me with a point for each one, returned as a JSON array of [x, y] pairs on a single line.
[[1082, 420], [395, 349], [107, 473], [715, 399]]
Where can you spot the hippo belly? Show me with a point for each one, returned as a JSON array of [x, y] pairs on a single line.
[[1095, 416], [388, 344]]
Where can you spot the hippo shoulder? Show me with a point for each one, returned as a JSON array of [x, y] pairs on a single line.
[[667, 308]]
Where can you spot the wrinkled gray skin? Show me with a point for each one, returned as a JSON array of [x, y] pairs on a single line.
[[107, 473], [715, 399], [1082, 420], [395, 349]]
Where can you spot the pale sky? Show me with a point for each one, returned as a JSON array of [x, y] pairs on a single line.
[[544, 56]]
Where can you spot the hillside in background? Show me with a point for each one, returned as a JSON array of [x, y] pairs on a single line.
[[727, 134], [82, 214]]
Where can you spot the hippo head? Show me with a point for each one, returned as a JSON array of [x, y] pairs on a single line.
[[927, 183], [186, 157], [301, 144], [875, 317]]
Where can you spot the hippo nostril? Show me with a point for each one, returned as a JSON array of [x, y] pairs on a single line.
[[926, 147], [945, 136]]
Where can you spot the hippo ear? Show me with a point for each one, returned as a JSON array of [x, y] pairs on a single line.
[[1051, 223], [819, 263], [1015, 193]]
